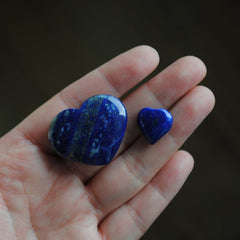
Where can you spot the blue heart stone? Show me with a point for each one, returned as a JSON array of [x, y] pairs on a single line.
[[91, 134], [154, 123]]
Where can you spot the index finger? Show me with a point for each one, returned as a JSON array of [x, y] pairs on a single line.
[[114, 78]]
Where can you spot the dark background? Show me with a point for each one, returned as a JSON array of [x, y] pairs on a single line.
[[46, 45]]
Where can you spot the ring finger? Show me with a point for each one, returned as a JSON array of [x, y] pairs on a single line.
[[132, 170]]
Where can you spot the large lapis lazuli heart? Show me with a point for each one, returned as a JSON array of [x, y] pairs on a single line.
[[91, 134], [154, 123]]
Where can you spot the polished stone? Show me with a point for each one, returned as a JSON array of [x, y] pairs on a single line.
[[154, 123], [91, 134]]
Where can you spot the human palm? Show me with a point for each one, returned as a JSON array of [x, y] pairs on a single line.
[[43, 196]]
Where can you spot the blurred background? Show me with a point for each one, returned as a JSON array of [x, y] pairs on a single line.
[[46, 45]]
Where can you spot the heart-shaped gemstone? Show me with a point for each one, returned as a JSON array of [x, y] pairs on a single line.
[[154, 123], [91, 134]]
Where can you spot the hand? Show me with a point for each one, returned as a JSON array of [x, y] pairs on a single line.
[[45, 197]]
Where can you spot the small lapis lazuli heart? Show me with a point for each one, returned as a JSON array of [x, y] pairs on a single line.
[[91, 134], [154, 123]]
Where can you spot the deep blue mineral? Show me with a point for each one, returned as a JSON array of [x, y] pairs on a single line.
[[91, 134], [154, 123]]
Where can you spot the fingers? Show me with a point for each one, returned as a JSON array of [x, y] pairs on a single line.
[[132, 170], [164, 90], [115, 78], [132, 219]]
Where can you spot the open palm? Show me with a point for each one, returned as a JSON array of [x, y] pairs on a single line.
[[43, 196]]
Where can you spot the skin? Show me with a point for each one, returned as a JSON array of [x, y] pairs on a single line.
[[45, 197]]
